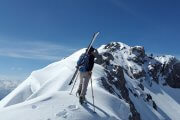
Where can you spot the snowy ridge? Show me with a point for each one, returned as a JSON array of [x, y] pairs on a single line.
[[47, 88], [128, 84]]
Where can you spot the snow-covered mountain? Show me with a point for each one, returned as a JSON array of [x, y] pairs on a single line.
[[128, 84]]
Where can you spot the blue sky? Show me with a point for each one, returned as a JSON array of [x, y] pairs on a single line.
[[35, 33]]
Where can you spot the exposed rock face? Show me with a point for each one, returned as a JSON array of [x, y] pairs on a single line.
[[138, 74], [98, 58], [154, 70], [176, 74], [116, 81], [120, 61], [139, 53], [113, 46], [172, 71]]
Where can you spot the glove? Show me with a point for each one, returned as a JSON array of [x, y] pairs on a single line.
[[77, 66]]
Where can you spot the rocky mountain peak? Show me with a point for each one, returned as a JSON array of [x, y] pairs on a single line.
[[130, 69]]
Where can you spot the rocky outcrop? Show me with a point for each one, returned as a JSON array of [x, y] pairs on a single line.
[[173, 77], [115, 80], [98, 58], [113, 46], [154, 71], [170, 70], [176, 75], [138, 74], [120, 61], [139, 54]]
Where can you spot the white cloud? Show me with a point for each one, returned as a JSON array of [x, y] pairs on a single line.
[[11, 77], [34, 50], [16, 68]]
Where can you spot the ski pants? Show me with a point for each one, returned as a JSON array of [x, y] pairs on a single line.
[[84, 80]]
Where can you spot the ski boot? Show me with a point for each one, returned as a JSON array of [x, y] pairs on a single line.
[[82, 100]]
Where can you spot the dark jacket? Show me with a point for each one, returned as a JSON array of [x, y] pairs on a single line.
[[91, 63], [86, 62]]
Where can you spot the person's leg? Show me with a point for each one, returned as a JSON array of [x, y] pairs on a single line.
[[80, 83], [86, 77]]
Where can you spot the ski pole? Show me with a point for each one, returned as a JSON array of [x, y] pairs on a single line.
[[74, 83], [74, 75], [92, 94]]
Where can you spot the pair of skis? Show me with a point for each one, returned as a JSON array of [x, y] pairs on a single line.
[[89, 46]]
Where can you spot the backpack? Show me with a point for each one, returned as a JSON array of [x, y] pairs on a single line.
[[83, 62]]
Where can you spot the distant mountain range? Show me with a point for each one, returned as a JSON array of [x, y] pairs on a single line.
[[6, 86]]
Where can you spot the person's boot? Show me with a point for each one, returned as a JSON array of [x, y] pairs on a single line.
[[81, 100]]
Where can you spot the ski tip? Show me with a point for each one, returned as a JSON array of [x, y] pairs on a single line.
[[97, 33]]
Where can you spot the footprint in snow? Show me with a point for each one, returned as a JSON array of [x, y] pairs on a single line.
[[73, 107], [34, 106], [62, 114]]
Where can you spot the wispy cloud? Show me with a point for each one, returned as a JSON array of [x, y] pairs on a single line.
[[16, 68], [34, 50], [121, 4], [11, 77]]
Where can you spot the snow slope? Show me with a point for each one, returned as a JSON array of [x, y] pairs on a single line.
[[45, 95], [61, 105], [128, 84]]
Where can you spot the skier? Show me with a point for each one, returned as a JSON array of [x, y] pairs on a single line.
[[85, 65]]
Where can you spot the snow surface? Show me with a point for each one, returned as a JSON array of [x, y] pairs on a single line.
[[45, 96], [165, 58]]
